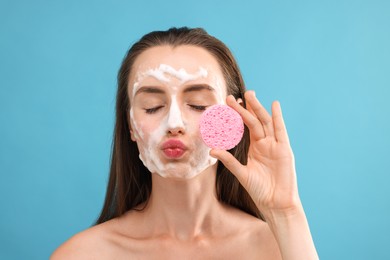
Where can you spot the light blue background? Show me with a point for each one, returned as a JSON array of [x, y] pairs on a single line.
[[326, 61]]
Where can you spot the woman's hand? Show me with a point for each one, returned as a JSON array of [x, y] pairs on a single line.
[[269, 176]]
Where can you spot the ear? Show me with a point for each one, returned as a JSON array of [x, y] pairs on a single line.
[[132, 135]]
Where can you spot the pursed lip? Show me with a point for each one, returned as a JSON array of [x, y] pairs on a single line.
[[173, 144], [173, 148]]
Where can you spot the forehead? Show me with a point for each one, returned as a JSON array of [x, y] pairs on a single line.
[[187, 57]]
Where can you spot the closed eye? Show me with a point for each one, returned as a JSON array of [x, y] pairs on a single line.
[[153, 109], [198, 108]]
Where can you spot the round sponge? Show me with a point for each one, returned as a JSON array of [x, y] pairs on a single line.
[[221, 127]]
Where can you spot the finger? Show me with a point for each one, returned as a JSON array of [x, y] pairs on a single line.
[[260, 112], [231, 163], [279, 126], [250, 120], [261, 128]]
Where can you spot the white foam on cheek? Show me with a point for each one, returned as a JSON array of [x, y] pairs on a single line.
[[149, 155], [147, 149], [138, 133], [200, 160]]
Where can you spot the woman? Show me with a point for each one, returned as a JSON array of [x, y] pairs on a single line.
[[169, 196]]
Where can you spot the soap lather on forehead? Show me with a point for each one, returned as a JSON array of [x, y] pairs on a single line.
[[163, 72], [160, 74], [181, 74]]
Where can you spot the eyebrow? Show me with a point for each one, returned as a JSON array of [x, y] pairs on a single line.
[[191, 88], [149, 89], [198, 87]]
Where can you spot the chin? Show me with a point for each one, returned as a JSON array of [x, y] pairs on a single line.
[[176, 172], [179, 175]]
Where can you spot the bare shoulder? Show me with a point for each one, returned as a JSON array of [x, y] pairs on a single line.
[[257, 235], [92, 243], [264, 240]]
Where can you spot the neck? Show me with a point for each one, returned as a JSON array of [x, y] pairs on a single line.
[[183, 208]]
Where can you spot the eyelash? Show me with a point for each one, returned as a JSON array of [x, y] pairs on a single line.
[[152, 110], [198, 108], [155, 109]]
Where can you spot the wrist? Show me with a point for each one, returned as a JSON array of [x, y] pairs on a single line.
[[292, 213], [292, 232]]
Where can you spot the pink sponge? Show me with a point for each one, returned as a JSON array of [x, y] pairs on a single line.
[[221, 127]]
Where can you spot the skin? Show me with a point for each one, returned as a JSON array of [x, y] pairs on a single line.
[[184, 219]]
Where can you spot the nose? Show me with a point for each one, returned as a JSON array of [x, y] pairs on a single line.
[[176, 131], [175, 120]]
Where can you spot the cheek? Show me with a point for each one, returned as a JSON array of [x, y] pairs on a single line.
[[141, 131], [147, 133], [191, 121], [139, 126]]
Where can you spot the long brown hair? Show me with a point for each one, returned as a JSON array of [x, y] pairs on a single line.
[[130, 181]]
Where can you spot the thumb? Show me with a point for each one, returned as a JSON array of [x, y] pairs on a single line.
[[230, 162]]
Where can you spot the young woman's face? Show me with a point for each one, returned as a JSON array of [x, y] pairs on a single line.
[[169, 88]]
